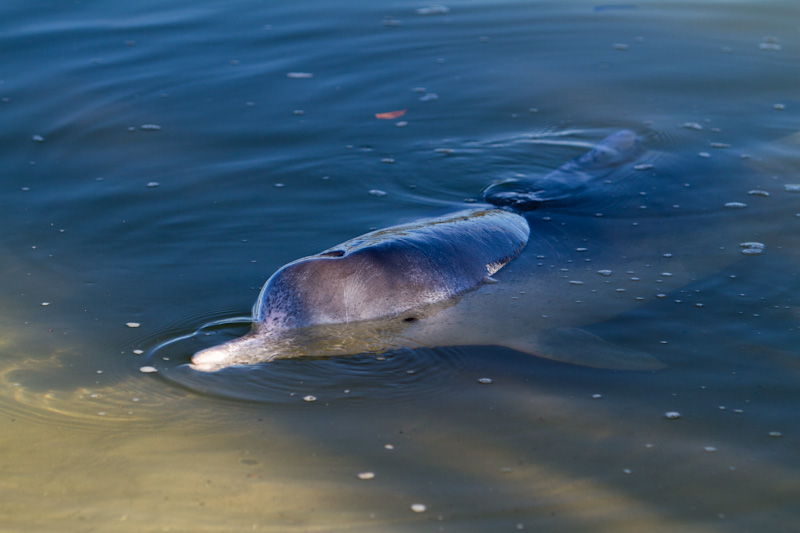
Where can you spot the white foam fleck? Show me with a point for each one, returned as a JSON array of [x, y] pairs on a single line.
[[433, 10], [752, 248]]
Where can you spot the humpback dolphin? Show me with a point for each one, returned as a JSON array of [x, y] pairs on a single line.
[[429, 283]]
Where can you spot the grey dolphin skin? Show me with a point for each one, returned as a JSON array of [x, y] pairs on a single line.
[[421, 284]]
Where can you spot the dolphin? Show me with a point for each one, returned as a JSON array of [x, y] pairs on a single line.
[[438, 281]]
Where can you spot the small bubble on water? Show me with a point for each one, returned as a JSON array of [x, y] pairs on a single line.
[[792, 187], [150, 127], [627, 471], [299, 75], [148, 369], [377, 192], [775, 434], [152, 184], [485, 381], [432, 10], [704, 154], [720, 145], [418, 507], [735, 205], [138, 352], [575, 282], [710, 449], [672, 415], [604, 272], [366, 475], [38, 138], [597, 396], [643, 166], [309, 398], [757, 192], [752, 248], [132, 324]]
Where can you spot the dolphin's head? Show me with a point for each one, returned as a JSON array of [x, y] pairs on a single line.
[[262, 345], [242, 351], [353, 298]]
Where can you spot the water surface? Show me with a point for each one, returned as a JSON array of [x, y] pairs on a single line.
[[162, 159]]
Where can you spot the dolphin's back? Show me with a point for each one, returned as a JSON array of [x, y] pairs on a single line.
[[391, 271]]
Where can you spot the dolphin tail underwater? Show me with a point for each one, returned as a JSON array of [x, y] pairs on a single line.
[[402, 287], [565, 185]]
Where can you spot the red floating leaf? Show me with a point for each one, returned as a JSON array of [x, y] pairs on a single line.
[[391, 114]]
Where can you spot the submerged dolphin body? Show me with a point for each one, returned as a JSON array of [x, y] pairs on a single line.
[[428, 284]]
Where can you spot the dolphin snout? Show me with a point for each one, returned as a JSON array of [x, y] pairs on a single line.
[[211, 359]]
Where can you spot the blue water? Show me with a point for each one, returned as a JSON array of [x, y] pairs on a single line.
[[162, 159]]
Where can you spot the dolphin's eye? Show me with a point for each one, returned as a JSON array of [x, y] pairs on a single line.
[[332, 253], [410, 319]]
